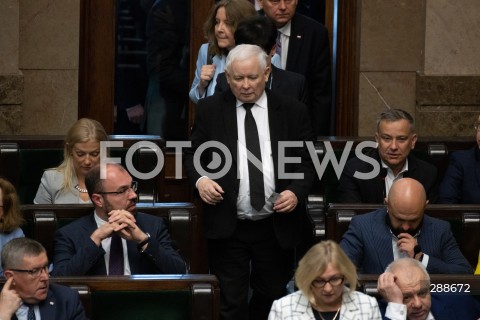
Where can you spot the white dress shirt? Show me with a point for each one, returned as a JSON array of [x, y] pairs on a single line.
[[260, 113]]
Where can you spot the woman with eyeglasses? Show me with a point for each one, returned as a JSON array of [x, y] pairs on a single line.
[[10, 216], [66, 183], [327, 280]]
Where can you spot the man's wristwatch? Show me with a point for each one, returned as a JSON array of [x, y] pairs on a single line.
[[416, 250], [144, 242]]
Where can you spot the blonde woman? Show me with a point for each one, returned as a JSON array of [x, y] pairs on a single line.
[[66, 183], [327, 280]]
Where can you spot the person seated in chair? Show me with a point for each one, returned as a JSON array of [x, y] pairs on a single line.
[[114, 239], [461, 182], [405, 286], [396, 139], [401, 229], [28, 293]]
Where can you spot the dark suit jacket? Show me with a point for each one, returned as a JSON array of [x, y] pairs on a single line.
[[62, 303], [461, 183], [216, 119], [75, 254], [309, 54], [368, 243], [353, 190], [282, 82]]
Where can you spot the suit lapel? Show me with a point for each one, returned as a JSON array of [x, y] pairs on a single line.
[[275, 121], [349, 309], [48, 307], [230, 122], [99, 268], [294, 46], [382, 240]]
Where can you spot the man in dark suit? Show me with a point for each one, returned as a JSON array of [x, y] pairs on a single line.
[[84, 247], [250, 236], [405, 286], [305, 49], [262, 32], [461, 183], [375, 239], [395, 138], [28, 290]]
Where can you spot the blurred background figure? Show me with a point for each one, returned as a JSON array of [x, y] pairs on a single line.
[[461, 182], [167, 31], [130, 65], [10, 216], [219, 30], [327, 281], [66, 183]]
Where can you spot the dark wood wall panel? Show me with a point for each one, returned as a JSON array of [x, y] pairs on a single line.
[[347, 67], [97, 61]]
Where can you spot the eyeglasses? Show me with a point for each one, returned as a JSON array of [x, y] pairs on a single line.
[[335, 281], [34, 273], [277, 2], [124, 191]]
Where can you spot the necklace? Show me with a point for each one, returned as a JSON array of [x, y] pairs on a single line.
[[80, 189], [335, 317]]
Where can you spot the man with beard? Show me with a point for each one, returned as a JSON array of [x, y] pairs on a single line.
[[114, 239], [375, 239], [27, 292]]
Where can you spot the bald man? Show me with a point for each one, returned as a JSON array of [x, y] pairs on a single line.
[[401, 229]]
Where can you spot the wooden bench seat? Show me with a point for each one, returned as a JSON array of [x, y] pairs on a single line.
[[173, 297], [464, 222], [181, 219], [23, 160]]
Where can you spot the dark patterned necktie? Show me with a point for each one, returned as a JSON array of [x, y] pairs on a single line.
[[257, 192], [278, 44], [115, 264], [31, 312]]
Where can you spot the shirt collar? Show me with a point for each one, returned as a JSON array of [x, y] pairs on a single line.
[[261, 102], [286, 29]]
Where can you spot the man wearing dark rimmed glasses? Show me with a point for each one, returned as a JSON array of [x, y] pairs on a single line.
[[375, 239], [27, 293], [114, 239]]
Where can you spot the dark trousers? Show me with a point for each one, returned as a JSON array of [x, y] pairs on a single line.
[[251, 258]]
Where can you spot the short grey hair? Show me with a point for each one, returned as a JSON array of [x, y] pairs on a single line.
[[244, 52], [392, 115], [16, 249], [406, 263]]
